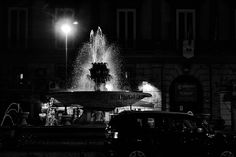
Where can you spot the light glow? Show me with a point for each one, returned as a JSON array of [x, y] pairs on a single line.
[[154, 91], [115, 135], [75, 22], [21, 76], [66, 28]]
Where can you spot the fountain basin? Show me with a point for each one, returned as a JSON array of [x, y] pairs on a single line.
[[103, 100]]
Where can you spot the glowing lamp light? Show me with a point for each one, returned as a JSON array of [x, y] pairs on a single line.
[[154, 91], [21, 76], [65, 28]]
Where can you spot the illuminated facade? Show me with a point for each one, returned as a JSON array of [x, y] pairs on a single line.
[[185, 49]]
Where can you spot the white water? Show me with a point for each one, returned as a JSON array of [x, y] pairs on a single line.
[[96, 50]]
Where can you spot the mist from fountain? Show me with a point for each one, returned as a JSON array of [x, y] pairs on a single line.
[[97, 50]]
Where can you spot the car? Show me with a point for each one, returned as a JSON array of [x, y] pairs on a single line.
[[162, 133]]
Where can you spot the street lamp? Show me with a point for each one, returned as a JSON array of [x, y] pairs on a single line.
[[66, 29]]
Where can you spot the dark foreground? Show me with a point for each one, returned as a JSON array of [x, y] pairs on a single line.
[[82, 141], [54, 141]]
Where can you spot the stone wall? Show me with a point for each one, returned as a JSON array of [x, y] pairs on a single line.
[[213, 79]]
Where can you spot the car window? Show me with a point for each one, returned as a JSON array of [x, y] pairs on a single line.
[[145, 122], [176, 124], [202, 123], [139, 122], [151, 122], [164, 123]]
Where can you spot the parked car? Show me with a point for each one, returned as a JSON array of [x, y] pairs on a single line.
[[158, 133]]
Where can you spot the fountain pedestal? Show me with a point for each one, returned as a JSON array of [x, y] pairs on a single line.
[[98, 100]]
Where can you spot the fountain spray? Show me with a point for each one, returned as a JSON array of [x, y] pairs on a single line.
[[97, 66]]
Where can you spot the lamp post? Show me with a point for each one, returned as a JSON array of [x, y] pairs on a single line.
[[65, 26], [66, 29]]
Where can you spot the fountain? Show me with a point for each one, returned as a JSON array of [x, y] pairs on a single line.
[[96, 78], [95, 89]]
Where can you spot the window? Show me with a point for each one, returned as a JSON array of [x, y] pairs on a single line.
[[60, 14], [185, 24], [185, 31], [18, 28], [126, 27]]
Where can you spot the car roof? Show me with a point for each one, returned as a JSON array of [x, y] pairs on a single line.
[[155, 113], [126, 116]]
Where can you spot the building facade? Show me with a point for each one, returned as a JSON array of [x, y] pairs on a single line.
[[185, 48]]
